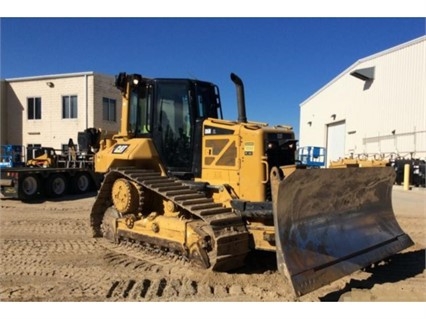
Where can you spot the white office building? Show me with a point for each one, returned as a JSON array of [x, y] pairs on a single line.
[[49, 110]]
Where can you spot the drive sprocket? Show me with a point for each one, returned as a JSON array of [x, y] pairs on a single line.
[[125, 196]]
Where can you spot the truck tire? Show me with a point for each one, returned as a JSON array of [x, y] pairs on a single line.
[[29, 187], [82, 183], [56, 185]]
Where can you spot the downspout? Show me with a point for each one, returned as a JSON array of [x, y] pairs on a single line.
[[87, 100]]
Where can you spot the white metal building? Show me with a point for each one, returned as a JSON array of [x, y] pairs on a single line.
[[376, 107], [49, 110]]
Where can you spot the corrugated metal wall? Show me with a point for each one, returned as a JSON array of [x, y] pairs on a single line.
[[383, 116]]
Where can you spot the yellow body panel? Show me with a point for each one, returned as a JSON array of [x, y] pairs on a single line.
[[235, 157], [234, 153], [263, 236], [137, 152]]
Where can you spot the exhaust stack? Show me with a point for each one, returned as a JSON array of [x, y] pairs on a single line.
[[240, 98]]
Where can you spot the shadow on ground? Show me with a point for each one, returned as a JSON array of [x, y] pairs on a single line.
[[39, 200], [396, 268]]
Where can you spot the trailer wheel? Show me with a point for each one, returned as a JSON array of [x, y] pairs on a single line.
[[56, 185], [29, 187], [82, 183]]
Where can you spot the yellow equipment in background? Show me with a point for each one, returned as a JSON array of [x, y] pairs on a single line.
[[43, 157], [357, 162], [181, 179]]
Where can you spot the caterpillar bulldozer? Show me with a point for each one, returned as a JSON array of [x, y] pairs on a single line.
[[180, 178]]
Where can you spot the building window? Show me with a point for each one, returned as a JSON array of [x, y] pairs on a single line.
[[109, 109], [69, 107], [34, 108]]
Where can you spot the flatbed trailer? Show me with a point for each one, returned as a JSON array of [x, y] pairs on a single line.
[[31, 183]]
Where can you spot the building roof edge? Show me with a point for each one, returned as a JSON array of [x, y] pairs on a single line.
[[365, 59], [50, 76]]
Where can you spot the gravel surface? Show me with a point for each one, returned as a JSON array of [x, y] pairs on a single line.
[[48, 254]]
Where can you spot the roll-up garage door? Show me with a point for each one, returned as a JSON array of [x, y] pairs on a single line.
[[336, 141]]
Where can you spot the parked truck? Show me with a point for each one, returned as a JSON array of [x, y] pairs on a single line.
[[47, 173]]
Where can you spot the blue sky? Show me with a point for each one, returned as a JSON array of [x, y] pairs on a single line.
[[282, 61]]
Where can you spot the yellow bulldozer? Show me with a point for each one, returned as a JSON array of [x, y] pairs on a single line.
[[180, 178]]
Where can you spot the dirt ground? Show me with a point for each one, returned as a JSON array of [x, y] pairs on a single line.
[[48, 254]]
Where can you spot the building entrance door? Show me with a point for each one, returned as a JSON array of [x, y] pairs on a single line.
[[336, 141]]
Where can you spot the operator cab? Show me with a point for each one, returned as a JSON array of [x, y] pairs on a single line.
[[171, 112]]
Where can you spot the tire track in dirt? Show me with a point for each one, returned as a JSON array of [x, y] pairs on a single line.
[[47, 254], [164, 278], [65, 269]]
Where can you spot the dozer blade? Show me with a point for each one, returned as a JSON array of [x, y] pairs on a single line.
[[332, 222]]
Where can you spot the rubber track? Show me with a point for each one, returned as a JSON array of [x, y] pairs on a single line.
[[231, 236]]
